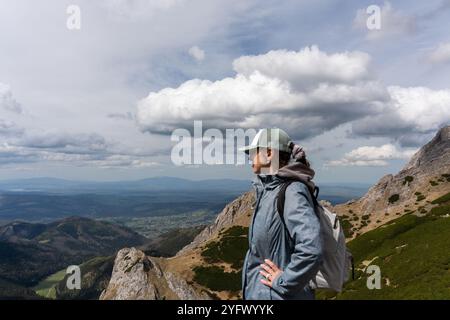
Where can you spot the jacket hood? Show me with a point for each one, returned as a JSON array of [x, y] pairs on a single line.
[[299, 172]]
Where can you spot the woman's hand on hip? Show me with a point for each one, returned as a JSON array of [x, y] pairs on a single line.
[[270, 272]]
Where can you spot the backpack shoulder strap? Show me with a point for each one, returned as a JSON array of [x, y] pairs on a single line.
[[282, 197]]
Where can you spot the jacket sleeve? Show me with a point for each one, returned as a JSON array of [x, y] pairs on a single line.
[[304, 228]]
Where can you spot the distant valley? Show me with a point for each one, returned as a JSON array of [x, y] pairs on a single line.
[[150, 206]]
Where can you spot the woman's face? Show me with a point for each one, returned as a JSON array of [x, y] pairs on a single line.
[[260, 159]]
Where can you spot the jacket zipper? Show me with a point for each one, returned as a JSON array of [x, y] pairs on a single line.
[[258, 198]]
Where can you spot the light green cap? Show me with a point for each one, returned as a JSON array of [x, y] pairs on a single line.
[[273, 138]]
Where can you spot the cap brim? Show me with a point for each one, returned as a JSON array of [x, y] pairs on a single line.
[[247, 149]]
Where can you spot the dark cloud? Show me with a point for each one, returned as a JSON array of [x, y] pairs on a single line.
[[66, 143]]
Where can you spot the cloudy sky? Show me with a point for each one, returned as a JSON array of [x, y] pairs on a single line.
[[100, 102]]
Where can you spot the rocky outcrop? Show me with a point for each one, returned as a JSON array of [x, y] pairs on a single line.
[[130, 277], [422, 179], [432, 155], [138, 277]]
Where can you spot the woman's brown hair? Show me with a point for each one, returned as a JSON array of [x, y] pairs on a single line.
[[285, 157]]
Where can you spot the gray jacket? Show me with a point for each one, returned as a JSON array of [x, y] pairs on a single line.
[[268, 239]]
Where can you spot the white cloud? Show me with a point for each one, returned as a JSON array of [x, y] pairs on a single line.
[[306, 92], [309, 66], [76, 151], [197, 53], [10, 129], [68, 143], [426, 109], [7, 101], [411, 113], [372, 156], [440, 54], [10, 111], [392, 23]]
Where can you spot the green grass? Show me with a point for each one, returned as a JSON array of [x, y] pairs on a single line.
[[95, 276], [235, 231], [394, 198], [46, 288], [443, 199], [347, 228], [420, 197], [215, 278], [408, 180], [440, 210], [413, 254], [230, 248]]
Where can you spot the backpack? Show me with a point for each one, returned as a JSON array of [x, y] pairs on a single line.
[[337, 259]]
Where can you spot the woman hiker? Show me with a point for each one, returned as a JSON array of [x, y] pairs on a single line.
[[283, 257]]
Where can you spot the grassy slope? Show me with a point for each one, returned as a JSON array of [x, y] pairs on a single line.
[[413, 254], [95, 275], [230, 249], [46, 288]]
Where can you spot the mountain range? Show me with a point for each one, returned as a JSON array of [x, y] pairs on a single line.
[[29, 251]]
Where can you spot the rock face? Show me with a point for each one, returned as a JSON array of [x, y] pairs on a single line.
[[423, 178], [130, 277], [139, 277]]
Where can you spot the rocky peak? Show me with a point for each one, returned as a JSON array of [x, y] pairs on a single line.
[[433, 151], [136, 276], [424, 178]]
